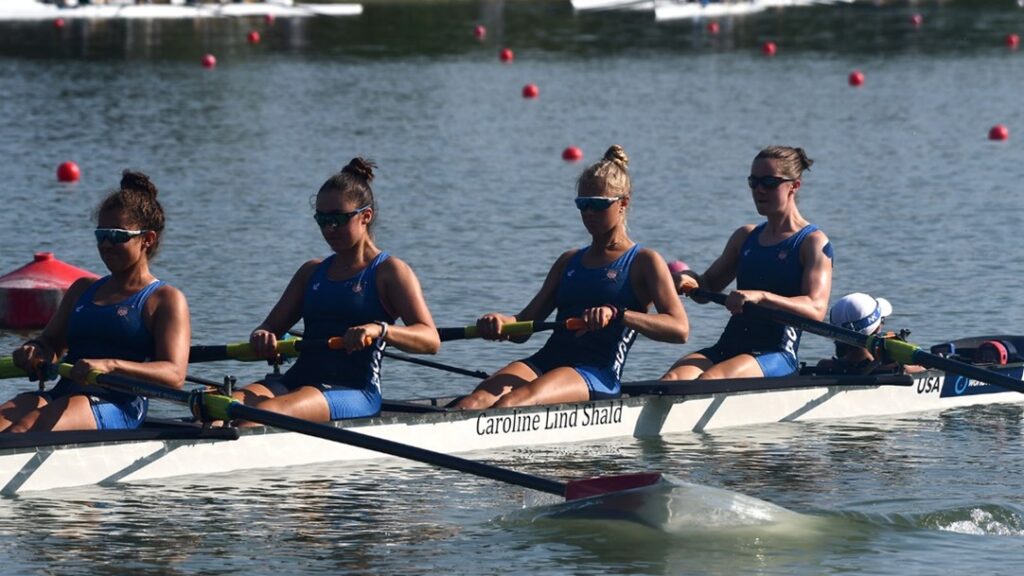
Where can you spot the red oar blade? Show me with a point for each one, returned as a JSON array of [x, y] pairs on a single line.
[[577, 489]]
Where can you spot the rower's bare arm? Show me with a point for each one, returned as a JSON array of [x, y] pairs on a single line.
[[403, 297], [288, 309], [54, 336], [817, 281], [653, 283], [723, 270], [543, 303]]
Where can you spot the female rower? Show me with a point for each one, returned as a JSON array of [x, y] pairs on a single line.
[[610, 284], [127, 322], [784, 262], [358, 292]]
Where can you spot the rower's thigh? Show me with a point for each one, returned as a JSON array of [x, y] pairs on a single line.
[[16, 408], [740, 366], [563, 384], [253, 394], [502, 382], [689, 367], [306, 402], [68, 413]]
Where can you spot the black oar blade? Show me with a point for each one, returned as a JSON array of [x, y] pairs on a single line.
[[576, 489]]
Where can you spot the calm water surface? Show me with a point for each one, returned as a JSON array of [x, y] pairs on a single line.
[[920, 206]]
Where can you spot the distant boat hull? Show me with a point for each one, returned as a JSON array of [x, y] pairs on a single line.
[[11, 10]]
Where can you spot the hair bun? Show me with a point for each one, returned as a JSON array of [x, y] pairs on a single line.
[[138, 182], [615, 153], [361, 167]]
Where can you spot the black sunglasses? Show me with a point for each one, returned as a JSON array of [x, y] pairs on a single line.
[[596, 203], [336, 219], [116, 235], [767, 182]]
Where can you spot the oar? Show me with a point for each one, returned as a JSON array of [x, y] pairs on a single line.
[[244, 351], [8, 369], [216, 407], [511, 329], [897, 350]]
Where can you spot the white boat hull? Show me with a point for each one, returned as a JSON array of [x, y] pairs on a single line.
[[32, 468], [31, 10], [691, 10]]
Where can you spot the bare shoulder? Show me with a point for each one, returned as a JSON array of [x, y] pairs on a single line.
[[816, 240], [395, 267], [649, 258]]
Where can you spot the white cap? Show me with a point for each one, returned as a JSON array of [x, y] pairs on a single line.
[[860, 312]]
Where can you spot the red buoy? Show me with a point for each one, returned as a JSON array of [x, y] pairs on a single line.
[[480, 32], [999, 132], [209, 61], [68, 172], [856, 78], [506, 55], [59, 23], [253, 37], [30, 295], [572, 154], [917, 20], [713, 27], [269, 19], [531, 91], [1012, 41], [769, 48]]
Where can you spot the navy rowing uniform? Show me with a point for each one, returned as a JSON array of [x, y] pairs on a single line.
[[350, 382], [108, 331], [597, 356], [776, 269]]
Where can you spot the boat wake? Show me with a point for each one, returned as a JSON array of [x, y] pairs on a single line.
[[675, 507], [975, 520]]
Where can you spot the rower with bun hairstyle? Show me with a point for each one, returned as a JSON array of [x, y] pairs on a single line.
[[127, 323], [358, 293], [610, 284], [784, 262]]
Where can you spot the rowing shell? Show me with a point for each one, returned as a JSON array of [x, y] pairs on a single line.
[[690, 10], [33, 10], [43, 461]]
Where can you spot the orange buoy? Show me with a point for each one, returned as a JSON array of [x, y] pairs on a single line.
[[572, 154], [856, 78], [999, 132], [253, 37], [209, 61], [506, 55], [30, 295], [714, 27], [68, 172], [769, 48], [480, 32], [531, 91], [1012, 41]]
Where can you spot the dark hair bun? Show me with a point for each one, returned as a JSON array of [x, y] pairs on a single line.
[[360, 167], [138, 182]]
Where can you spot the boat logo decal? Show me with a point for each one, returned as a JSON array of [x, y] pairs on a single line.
[[956, 385]]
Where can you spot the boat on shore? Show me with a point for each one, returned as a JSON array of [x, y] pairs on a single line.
[[170, 448], [27, 10], [692, 10]]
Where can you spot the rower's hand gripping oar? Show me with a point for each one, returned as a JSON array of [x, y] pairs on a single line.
[[892, 348], [207, 407], [523, 328]]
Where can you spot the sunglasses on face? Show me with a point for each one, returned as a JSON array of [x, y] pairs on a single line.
[[597, 203], [767, 182], [336, 219], [116, 235]]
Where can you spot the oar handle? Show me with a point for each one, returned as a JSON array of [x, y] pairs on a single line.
[[244, 351], [522, 328]]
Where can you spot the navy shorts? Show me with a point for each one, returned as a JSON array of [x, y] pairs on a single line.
[[602, 381], [343, 401]]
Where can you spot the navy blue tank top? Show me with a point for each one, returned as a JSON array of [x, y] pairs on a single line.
[[777, 269], [581, 288], [330, 308], [108, 331]]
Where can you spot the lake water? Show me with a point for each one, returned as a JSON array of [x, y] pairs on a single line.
[[919, 204]]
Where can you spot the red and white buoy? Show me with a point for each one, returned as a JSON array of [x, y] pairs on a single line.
[[30, 295]]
